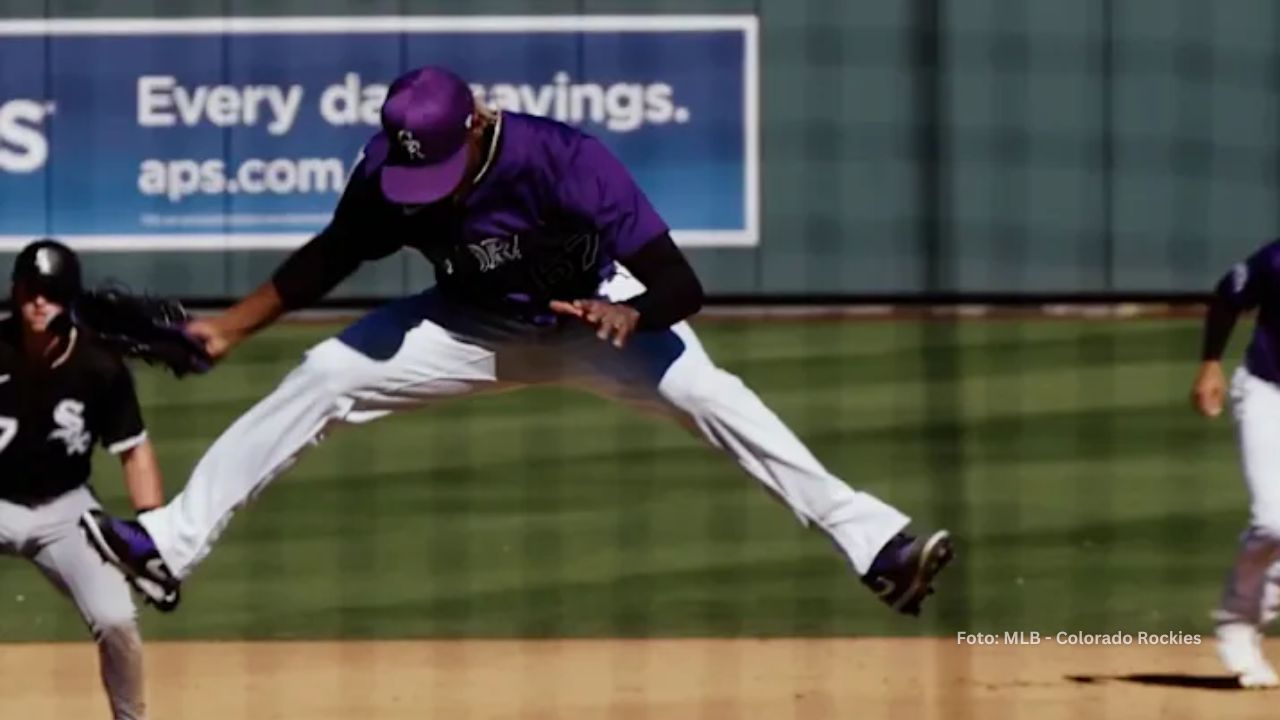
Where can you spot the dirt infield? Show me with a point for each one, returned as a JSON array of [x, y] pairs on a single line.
[[669, 679]]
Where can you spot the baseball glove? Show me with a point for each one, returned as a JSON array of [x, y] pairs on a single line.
[[143, 327]]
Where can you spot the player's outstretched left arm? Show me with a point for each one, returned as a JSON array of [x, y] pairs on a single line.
[[1238, 291], [224, 331], [672, 294]]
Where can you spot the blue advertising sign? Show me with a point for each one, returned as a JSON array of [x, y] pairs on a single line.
[[218, 133]]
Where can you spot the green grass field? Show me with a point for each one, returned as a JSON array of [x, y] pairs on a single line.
[[1084, 493]]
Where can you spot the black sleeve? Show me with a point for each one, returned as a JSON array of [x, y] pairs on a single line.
[[672, 290], [1218, 324], [316, 268], [120, 425], [357, 233]]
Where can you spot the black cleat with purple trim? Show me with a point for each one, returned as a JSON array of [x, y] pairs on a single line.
[[902, 573]]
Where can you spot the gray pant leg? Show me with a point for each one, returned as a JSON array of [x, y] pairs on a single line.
[[16, 522], [101, 595]]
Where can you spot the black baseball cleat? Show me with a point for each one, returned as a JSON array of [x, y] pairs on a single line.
[[125, 544], [902, 573]]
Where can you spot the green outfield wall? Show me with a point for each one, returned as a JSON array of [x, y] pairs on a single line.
[[924, 146]]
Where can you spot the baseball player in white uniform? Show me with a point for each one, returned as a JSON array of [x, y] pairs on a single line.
[[60, 394], [529, 224], [1251, 599]]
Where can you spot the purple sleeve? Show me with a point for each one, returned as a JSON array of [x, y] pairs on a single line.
[[595, 187], [1241, 289], [1249, 280]]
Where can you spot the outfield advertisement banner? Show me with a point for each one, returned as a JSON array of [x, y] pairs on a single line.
[[237, 133]]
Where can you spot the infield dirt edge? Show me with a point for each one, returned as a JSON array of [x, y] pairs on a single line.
[[687, 678]]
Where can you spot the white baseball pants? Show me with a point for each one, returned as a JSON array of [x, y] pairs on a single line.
[[1252, 592], [424, 348]]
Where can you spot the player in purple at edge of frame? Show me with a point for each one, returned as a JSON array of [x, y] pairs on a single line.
[[1251, 597], [551, 267]]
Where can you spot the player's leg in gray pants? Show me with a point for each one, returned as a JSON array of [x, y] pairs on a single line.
[[50, 537]]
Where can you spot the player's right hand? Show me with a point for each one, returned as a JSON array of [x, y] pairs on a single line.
[[216, 342], [611, 319], [1208, 395]]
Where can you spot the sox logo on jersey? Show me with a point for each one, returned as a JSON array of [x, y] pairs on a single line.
[[69, 415]]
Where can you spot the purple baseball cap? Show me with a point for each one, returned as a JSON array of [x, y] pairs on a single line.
[[425, 119]]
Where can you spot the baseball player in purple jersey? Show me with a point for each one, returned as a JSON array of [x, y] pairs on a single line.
[[1251, 599], [551, 267], [62, 392]]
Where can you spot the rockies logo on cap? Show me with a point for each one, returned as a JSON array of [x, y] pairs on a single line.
[[425, 120], [412, 148]]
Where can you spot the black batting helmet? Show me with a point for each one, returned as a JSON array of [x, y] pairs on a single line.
[[49, 268]]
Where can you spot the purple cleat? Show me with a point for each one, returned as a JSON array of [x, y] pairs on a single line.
[[125, 544], [902, 573]]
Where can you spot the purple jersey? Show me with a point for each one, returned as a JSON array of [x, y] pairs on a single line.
[[549, 214], [1255, 283]]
